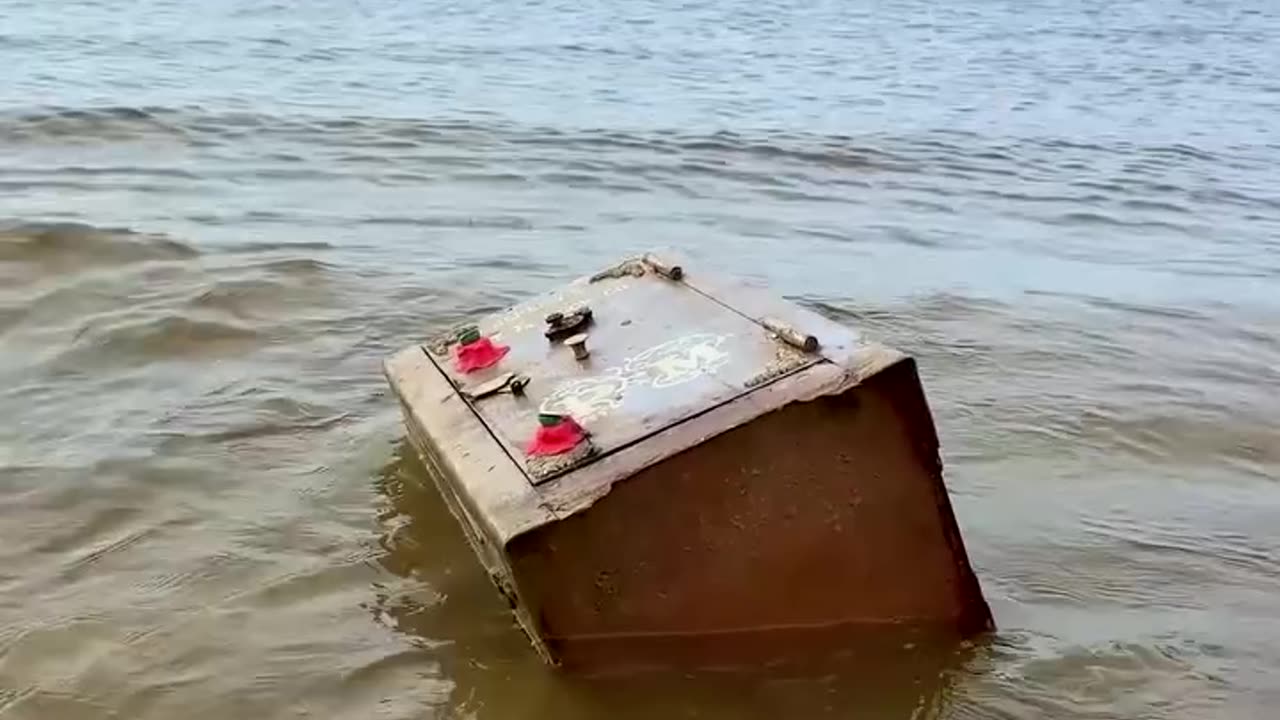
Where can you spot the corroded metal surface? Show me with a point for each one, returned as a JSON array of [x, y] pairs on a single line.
[[786, 359], [634, 267], [738, 495], [660, 351], [547, 466], [828, 517], [790, 335], [562, 324]]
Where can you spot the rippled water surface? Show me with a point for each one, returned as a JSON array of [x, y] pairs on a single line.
[[216, 218]]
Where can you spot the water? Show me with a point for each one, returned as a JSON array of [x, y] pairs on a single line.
[[217, 218]]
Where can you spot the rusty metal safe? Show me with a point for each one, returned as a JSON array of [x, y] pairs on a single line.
[[659, 465]]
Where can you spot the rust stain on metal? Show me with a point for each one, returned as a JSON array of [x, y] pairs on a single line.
[[786, 359], [441, 342], [545, 466], [634, 267]]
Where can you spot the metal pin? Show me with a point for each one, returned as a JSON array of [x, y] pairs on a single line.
[[666, 270], [518, 384], [578, 343], [506, 382], [790, 335]]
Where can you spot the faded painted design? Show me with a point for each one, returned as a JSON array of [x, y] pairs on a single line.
[[678, 361], [589, 398], [665, 365]]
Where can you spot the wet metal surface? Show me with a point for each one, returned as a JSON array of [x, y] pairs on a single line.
[[660, 556], [660, 351]]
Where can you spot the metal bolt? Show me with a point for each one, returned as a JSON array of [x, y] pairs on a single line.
[[518, 384], [790, 335], [555, 318], [578, 343]]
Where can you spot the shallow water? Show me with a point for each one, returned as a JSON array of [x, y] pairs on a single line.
[[217, 218]]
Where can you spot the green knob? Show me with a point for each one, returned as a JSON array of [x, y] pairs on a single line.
[[550, 419], [469, 334]]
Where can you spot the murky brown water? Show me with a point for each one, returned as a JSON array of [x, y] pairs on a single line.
[[216, 219]]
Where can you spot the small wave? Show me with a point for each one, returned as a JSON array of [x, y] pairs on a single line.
[[266, 247], [87, 124], [112, 171], [572, 179], [1155, 205], [1164, 312], [1164, 679], [242, 411], [237, 297], [87, 186], [907, 236], [723, 172], [1182, 441], [1237, 550], [79, 244], [507, 222], [1182, 151], [164, 338], [824, 234], [1051, 197], [787, 195], [267, 291], [1098, 218], [248, 431], [953, 152], [831, 152], [1236, 197], [927, 205], [289, 267], [204, 128], [518, 263], [489, 178]]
